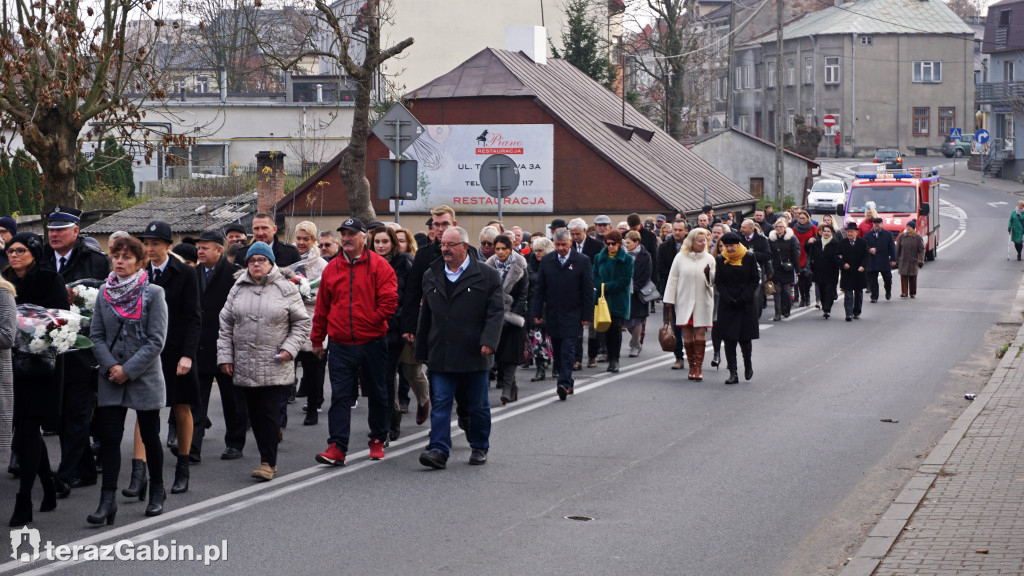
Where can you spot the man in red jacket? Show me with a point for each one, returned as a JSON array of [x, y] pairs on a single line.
[[358, 293]]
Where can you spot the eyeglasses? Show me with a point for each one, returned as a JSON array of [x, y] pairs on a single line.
[[451, 244], [258, 260], [327, 245], [482, 243], [611, 243], [16, 251], [442, 224]]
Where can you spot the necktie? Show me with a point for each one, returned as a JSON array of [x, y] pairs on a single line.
[[562, 259], [63, 261], [208, 272], [156, 274]]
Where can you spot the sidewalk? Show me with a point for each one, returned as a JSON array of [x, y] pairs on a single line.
[[973, 177], [963, 511]]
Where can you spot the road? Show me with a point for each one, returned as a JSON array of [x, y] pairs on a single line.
[[780, 475]]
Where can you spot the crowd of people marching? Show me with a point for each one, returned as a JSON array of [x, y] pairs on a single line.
[[385, 312]]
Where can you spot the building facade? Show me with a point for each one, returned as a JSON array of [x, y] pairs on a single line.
[[1002, 97]]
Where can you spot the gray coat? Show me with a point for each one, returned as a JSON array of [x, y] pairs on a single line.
[[8, 332], [258, 321], [136, 346]]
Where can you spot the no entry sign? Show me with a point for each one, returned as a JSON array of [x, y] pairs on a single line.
[[829, 120]]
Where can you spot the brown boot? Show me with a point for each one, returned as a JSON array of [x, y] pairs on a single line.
[[689, 359], [698, 359]]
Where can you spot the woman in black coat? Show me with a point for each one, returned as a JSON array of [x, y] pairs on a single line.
[[785, 262], [821, 257], [34, 397], [385, 243], [737, 279], [638, 309], [515, 287]]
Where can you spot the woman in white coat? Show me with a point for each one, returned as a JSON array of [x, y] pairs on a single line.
[[689, 290]]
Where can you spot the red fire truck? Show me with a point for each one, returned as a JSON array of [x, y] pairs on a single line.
[[898, 197]]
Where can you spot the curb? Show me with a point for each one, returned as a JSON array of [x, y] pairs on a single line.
[[892, 523]]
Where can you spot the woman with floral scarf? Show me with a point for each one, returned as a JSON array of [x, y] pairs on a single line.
[[128, 332]]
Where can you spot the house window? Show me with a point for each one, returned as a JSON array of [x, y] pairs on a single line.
[[771, 74], [758, 71], [1008, 71], [714, 90], [723, 86], [202, 84], [865, 40], [832, 70], [927, 71], [947, 119], [742, 77], [1004, 17], [808, 70], [921, 121], [790, 120], [790, 72], [744, 123], [839, 120]]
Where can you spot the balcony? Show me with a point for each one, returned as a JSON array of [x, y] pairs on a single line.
[[999, 92]]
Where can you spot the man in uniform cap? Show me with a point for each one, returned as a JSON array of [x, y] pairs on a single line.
[[556, 225], [216, 276], [69, 254], [853, 255]]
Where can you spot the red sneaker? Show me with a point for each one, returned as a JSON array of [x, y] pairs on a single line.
[[333, 456], [376, 449]]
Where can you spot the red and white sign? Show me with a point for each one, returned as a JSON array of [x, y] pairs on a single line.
[[829, 120]]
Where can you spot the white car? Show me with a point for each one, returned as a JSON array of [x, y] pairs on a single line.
[[826, 195]]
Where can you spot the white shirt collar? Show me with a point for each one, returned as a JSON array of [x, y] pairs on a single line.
[[454, 276]]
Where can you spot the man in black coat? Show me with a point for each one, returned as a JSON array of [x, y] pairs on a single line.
[[181, 292], [563, 300], [852, 259], [666, 254], [69, 254], [881, 259], [751, 237], [649, 241], [265, 230], [442, 218], [460, 325], [215, 277], [589, 247]]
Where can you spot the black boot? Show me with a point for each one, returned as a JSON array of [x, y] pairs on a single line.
[[717, 359], [106, 511], [137, 485], [14, 467], [156, 499], [46, 479], [22, 510], [748, 368], [181, 473], [733, 377], [539, 376]]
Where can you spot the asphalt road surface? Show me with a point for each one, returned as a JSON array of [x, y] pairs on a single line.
[[779, 475]]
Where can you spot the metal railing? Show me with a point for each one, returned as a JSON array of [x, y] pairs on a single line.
[[999, 92]]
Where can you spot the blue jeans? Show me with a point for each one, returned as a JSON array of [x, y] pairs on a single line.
[[344, 362], [475, 385], [563, 353]]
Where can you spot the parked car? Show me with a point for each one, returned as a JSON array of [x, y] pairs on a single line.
[[891, 157], [957, 147], [827, 194]]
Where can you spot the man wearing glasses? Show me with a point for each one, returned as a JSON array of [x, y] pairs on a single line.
[[328, 245], [463, 310]]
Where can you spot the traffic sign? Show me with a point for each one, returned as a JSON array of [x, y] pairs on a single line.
[[955, 134], [499, 176], [397, 129], [829, 120], [982, 136], [407, 180]]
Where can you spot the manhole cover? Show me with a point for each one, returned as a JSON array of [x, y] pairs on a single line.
[[579, 518]]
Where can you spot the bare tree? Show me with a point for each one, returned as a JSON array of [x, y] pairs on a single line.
[[355, 45], [66, 65], [665, 53]]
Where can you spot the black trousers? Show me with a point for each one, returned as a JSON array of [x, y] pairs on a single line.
[[804, 284], [677, 330], [828, 296], [873, 282], [110, 428], [236, 416], [730, 352], [78, 402], [313, 370], [34, 460], [563, 354], [264, 404]]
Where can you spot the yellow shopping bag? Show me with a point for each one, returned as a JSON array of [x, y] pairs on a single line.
[[602, 315]]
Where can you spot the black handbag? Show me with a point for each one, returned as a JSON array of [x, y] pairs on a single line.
[[787, 266], [649, 293], [26, 365]]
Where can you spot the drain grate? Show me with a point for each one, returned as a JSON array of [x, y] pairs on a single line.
[[579, 518]]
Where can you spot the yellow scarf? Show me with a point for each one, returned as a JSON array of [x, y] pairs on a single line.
[[735, 258]]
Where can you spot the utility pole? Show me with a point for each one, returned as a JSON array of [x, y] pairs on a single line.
[[731, 68], [779, 84]]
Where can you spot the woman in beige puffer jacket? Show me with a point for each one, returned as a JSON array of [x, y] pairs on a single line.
[[262, 328]]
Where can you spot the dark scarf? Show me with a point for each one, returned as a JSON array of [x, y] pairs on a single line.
[[801, 228], [125, 295]]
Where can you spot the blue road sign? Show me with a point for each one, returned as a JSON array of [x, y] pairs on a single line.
[[954, 134], [982, 136]]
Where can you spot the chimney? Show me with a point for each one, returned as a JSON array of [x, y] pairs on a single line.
[[269, 179], [531, 40]]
